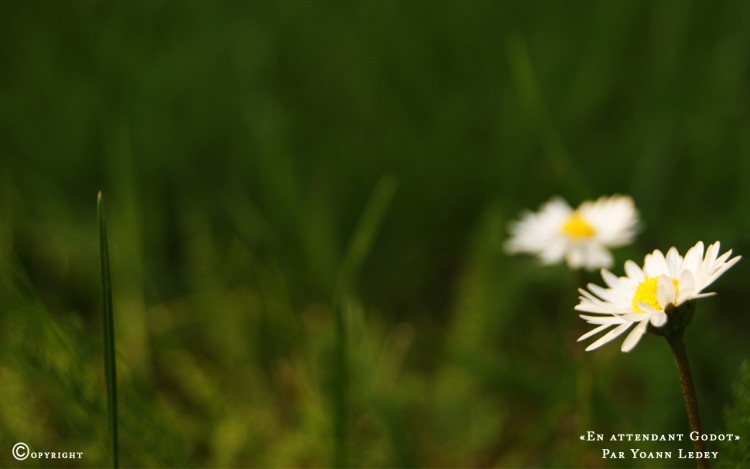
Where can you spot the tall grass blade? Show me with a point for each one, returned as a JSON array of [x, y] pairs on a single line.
[[110, 369], [360, 243], [351, 265], [527, 84]]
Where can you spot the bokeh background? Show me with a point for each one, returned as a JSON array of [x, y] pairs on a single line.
[[307, 203]]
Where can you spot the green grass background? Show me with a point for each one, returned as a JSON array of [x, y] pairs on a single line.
[[281, 175]]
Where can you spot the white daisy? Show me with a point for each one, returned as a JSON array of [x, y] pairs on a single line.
[[581, 236], [644, 295]]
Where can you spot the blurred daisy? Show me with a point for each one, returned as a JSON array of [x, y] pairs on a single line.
[[646, 296], [581, 236]]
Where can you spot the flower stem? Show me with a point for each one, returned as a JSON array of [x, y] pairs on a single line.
[[677, 344]]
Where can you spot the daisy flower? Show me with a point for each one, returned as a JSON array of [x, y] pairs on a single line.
[[581, 236], [648, 295]]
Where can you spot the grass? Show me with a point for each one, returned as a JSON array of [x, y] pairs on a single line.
[[288, 307], [108, 321], [355, 254]]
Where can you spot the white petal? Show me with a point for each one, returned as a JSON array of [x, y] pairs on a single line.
[[658, 319], [665, 291], [720, 271], [693, 258], [634, 271], [634, 317], [674, 262], [606, 294], [597, 256], [609, 336], [687, 287], [593, 308], [655, 264], [587, 296], [539, 232], [603, 319], [609, 278], [615, 219], [703, 295], [593, 332], [711, 253], [635, 335], [575, 257], [553, 252], [558, 204], [723, 258]]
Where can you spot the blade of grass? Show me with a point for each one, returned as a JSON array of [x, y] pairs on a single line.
[[6, 228], [527, 83], [351, 265], [359, 245], [110, 369]]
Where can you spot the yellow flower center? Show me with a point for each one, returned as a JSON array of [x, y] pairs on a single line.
[[576, 227], [646, 293]]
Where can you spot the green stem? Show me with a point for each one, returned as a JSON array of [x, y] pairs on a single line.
[[110, 369], [677, 345]]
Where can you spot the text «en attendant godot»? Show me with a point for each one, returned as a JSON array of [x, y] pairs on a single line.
[[21, 452], [637, 453]]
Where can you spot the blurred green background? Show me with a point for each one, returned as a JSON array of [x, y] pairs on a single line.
[[269, 167]]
